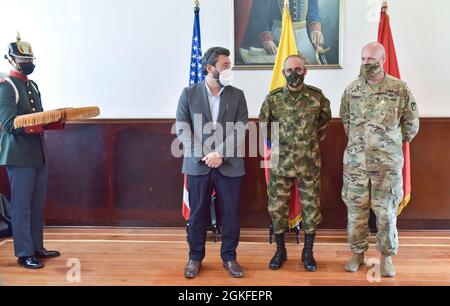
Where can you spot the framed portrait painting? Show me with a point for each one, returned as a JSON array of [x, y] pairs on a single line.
[[318, 31]]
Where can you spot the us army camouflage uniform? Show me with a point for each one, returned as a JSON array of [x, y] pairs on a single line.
[[302, 125], [377, 120]]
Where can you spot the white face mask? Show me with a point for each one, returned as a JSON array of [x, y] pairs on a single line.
[[226, 77]]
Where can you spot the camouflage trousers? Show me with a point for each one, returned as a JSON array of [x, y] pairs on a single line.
[[280, 195], [383, 192]]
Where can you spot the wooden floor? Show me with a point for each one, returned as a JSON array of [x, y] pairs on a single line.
[[112, 256]]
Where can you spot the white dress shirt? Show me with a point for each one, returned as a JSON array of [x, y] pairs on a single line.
[[214, 103]]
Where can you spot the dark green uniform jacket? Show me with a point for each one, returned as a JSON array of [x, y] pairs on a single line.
[[17, 148]]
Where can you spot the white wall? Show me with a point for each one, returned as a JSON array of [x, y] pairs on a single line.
[[131, 57]]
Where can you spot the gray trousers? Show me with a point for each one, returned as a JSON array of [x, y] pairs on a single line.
[[28, 189]]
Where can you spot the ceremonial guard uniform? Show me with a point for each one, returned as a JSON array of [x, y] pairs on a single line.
[[23, 153]]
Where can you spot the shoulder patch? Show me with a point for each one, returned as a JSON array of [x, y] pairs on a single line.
[[277, 90]]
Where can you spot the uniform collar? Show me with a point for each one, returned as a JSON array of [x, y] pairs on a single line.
[[366, 87], [301, 93], [18, 75]]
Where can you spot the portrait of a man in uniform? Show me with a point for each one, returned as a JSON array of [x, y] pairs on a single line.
[[258, 24]]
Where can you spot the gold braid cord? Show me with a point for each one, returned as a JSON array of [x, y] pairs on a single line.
[[74, 114], [66, 114]]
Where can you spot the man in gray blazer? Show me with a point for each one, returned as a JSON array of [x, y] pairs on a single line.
[[211, 123]]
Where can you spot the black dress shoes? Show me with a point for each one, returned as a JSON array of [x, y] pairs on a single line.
[[44, 254], [233, 268], [30, 262], [192, 268]]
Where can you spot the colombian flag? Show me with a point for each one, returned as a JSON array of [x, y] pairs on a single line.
[[286, 48]]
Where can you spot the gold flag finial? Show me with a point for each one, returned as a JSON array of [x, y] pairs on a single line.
[[286, 4], [197, 3], [18, 37], [385, 6]]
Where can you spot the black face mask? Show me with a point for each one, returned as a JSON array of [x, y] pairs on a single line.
[[26, 68], [295, 80]]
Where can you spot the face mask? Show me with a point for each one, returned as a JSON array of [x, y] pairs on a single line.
[[26, 68], [369, 71], [295, 79], [226, 77]]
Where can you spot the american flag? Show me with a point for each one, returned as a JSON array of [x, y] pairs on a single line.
[[196, 75]]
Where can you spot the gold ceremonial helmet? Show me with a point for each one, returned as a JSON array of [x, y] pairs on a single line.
[[20, 49]]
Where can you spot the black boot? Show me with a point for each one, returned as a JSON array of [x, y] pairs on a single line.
[[307, 254], [280, 255]]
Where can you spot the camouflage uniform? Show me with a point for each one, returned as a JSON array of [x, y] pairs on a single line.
[[302, 121], [377, 120]]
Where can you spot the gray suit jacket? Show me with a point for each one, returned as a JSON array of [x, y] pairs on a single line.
[[199, 137]]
